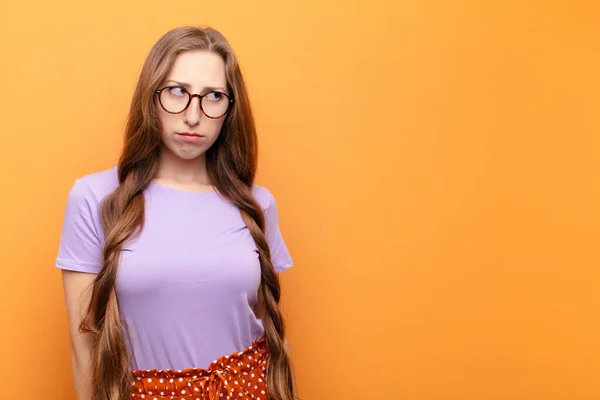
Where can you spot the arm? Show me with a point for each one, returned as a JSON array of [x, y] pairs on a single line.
[[77, 295]]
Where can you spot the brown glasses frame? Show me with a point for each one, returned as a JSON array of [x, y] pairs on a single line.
[[190, 97]]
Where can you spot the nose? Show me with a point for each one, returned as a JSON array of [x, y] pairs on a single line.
[[193, 113]]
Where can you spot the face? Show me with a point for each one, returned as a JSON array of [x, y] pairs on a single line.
[[189, 134]]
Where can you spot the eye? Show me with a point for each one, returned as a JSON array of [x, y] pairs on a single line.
[[214, 96], [177, 91]]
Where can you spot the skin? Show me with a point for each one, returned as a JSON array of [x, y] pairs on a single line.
[[183, 164]]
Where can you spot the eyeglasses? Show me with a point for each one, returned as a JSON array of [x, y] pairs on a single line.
[[176, 99]]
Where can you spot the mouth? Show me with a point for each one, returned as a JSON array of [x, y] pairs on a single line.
[[190, 136]]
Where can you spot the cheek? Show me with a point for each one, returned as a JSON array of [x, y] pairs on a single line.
[[216, 125], [209, 127], [168, 121]]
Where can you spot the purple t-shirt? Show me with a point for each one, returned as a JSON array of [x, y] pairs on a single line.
[[186, 285]]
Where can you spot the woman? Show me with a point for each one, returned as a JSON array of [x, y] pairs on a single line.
[[179, 248]]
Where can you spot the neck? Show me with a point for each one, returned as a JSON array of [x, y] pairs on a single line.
[[173, 168]]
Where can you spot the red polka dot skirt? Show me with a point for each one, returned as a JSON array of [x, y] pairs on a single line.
[[238, 376]]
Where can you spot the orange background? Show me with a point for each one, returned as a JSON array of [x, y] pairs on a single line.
[[436, 165]]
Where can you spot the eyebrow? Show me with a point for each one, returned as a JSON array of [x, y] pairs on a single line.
[[189, 87]]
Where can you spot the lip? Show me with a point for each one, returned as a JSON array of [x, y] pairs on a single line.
[[190, 136]]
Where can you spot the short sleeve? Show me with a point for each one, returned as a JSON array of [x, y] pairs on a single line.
[[280, 255], [81, 238]]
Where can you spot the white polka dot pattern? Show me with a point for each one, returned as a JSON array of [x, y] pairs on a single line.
[[239, 376]]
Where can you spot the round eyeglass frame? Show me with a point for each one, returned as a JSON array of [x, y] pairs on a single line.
[[190, 97]]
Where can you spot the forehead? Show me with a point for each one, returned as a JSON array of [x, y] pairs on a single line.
[[200, 69]]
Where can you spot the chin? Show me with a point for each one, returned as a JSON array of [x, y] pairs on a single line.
[[189, 155]]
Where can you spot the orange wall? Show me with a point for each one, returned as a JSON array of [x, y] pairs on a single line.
[[436, 165]]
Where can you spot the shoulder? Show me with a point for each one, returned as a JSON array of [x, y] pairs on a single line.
[[96, 186], [263, 196]]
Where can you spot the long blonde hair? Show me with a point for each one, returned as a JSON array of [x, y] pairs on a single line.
[[231, 164]]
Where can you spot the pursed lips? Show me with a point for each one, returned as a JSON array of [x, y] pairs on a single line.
[[190, 134]]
